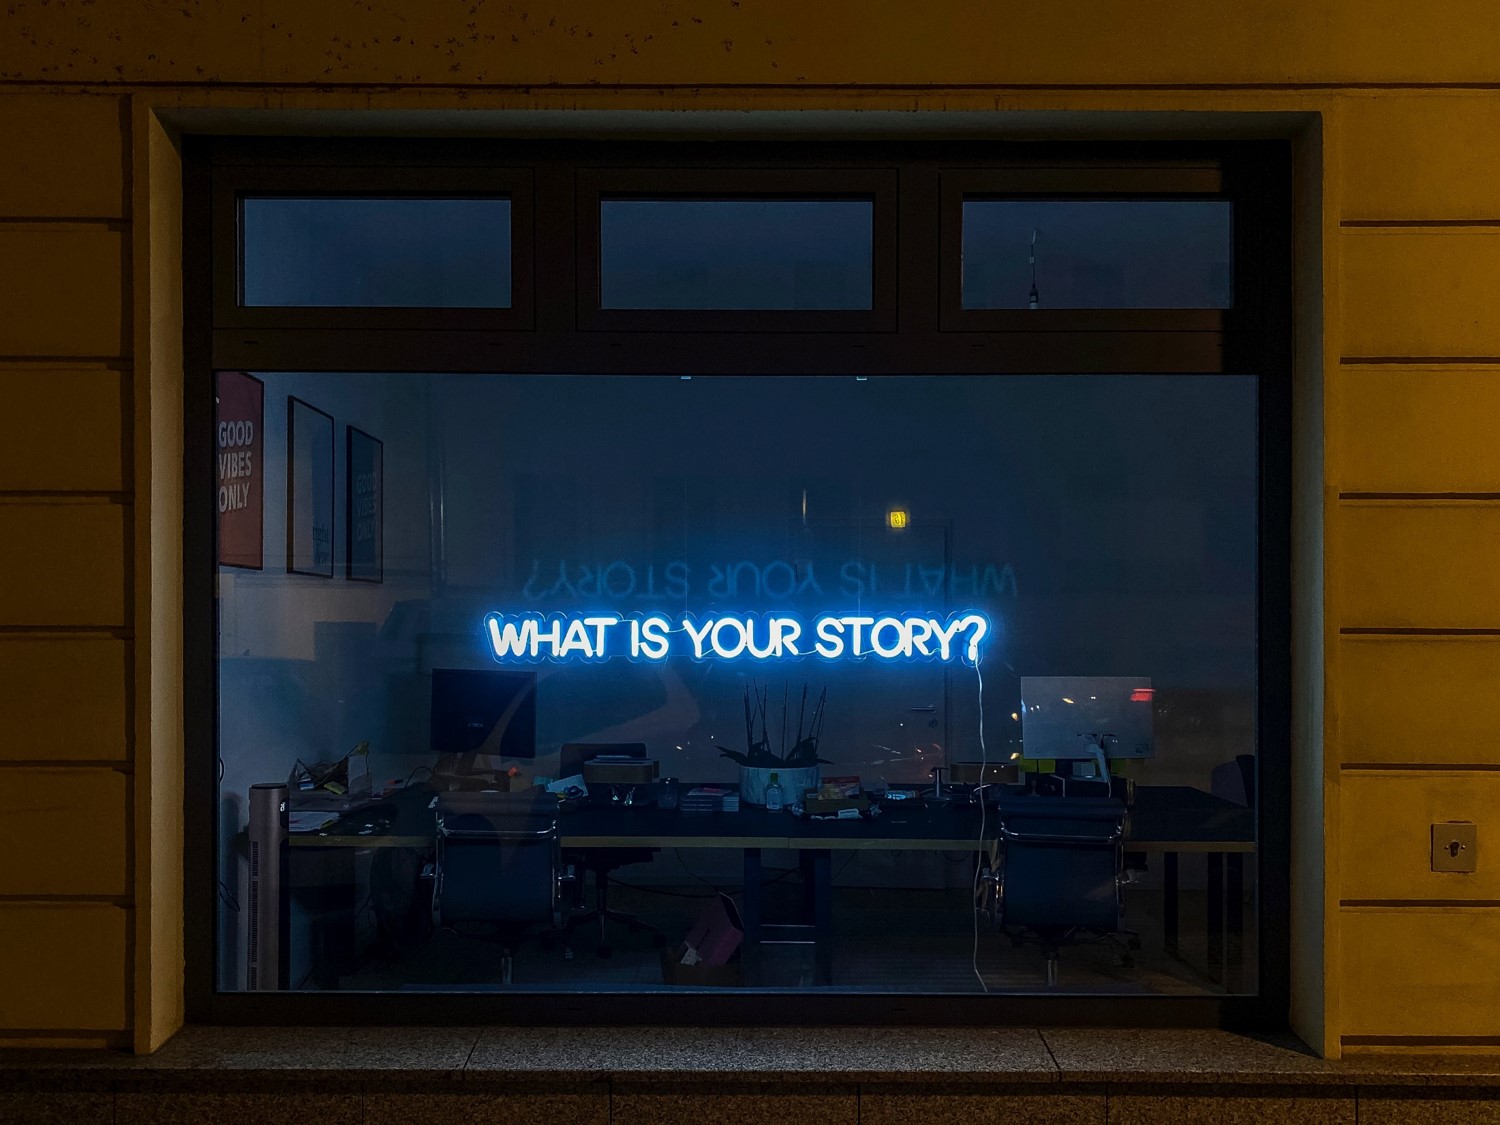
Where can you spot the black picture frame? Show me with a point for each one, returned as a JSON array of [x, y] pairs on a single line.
[[309, 490], [364, 507]]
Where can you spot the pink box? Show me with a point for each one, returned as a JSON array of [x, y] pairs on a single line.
[[716, 934]]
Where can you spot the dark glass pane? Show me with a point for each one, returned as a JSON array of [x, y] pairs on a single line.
[[735, 254], [1103, 527], [388, 253], [1097, 254]]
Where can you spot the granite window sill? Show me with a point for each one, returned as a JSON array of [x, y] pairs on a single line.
[[538, 1057]]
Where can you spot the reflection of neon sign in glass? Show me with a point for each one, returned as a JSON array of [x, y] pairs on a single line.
[[832, 636]]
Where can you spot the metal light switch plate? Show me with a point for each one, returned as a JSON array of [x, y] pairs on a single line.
[[1455, 846]]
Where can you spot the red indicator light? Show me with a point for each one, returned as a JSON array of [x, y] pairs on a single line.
[[1142, 695]]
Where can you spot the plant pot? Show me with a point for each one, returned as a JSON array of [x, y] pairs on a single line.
[[793, 782]]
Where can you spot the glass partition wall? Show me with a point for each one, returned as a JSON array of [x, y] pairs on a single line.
[[731, 587]]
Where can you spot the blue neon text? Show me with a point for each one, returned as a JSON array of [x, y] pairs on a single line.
[[833, 636]]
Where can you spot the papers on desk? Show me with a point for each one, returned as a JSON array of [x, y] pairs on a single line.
[[563, 785], [310, 820]]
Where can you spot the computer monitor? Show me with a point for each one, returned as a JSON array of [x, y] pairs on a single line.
[[483, 712], [1062, 716]]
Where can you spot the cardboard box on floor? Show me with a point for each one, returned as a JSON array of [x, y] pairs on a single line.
[[711, 948]]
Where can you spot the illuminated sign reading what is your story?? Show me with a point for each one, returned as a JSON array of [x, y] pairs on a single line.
[[531, 637]]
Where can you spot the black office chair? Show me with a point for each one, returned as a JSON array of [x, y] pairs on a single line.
[[1061, 874], [499, 872], [601, 861]]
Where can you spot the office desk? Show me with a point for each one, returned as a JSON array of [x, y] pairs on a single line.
[[1166, 820], [1173, 819], [751, 831], [916, 828]]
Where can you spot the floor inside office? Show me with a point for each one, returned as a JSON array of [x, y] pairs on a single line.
[[914, 941]]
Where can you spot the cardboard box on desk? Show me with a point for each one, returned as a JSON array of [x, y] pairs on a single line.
[[815, 805], [711, 947], [835, 795]]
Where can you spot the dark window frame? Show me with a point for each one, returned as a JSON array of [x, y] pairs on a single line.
[[1253, 338]]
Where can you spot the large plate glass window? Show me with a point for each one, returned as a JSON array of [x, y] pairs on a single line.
[[985, 559]]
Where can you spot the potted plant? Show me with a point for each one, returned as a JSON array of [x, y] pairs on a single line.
[[795, 766]]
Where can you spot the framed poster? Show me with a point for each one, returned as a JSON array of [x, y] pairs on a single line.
[[240, 411], [364, 555], [309, 490]]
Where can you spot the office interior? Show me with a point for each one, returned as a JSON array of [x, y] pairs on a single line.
[[1105, 526]]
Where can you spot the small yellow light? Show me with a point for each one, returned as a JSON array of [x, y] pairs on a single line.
[[897, 518]]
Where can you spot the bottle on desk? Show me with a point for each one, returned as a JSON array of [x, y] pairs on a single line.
[[773, 795]]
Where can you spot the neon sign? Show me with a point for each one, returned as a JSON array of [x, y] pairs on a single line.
[[532, 637]]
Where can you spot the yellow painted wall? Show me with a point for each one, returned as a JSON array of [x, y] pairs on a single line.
[[1398, 502]]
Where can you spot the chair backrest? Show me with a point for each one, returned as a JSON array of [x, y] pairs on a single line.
[[1062, 861], [1234, 780], [574, 754], [498, 858]]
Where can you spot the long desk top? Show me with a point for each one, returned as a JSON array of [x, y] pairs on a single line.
[[1164, 818]]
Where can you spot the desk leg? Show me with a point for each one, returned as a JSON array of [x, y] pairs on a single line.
[[1169, 917], [808, 870], [1215, 934], [821, 917], [1234, 938], [750, 915]]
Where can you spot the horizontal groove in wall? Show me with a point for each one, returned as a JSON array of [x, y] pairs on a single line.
[[1460, 367], [1433, 360], [1435, 906], [1430, 226], [1419, 767], [126, 902], [116, 1040], [119, 765], [1467, 497], [1390, 631], [32, 365], [1414, 224], [112, 362], [28, 222], [103, 85], [1418, 903], [118, 632], [61, 496], [1420, 1040]]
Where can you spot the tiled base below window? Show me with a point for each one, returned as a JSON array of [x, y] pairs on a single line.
[[337, 1101], [740, 1076]]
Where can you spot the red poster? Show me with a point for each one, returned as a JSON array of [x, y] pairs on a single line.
[[241, 498]]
